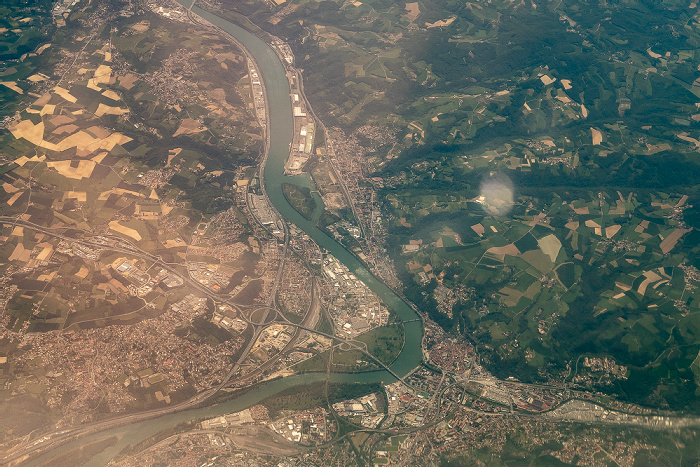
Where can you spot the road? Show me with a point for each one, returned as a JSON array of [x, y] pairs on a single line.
[[331, 162], [21, 451], [309, 322], [121, 246]]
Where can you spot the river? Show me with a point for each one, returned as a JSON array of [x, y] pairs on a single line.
[[280, 127]]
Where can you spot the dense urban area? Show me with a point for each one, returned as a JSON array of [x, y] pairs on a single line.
[[148, 275]]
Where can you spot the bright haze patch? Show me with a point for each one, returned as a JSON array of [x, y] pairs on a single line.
[[496, 194]]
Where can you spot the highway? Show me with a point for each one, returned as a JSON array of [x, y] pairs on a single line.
[[121, 246], [49, 441], [21, 451]]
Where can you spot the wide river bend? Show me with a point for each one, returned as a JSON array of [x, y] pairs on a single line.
[[280, 127]]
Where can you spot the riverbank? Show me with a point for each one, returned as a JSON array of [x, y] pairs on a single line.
[[278, 138]]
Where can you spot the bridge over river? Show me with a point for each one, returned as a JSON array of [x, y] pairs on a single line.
[[137, 427]]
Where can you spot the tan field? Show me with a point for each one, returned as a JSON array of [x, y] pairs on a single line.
[[45, 253], [441, 23], [612, 230], [413, 10], [46, 277], [42, 48], [127, 82], [81, 140], [37, 77], [43, 100], [24, 159], [128, 231], [619, 208], [171, 155], [82, 273], [653, 54], [550, 245], [118, 191], [502, 251], [189, 127], [685, 137], [536, 219], [9, 188], [61, 120], [27, 130], [14, 198], [650, 277], [141, 26], [102, 76], [561, 96], [566, 83], [98, 158], [174, 244], [84, 169], [65, 94], [48, 109], [105, 194], [114, 139], [597, 136], [78, 140], [99, 132], [546, 80], [109, 94], [109, 110], [12, 85], [65, 129], [670, 242], [20, 254], [79, 195]]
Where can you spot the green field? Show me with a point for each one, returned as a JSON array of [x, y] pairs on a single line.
[[300, 198], [385, 342], [595, 133]]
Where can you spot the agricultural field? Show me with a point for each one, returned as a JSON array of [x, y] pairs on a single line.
[[24, 27], [124, 137], [132, 138], [541, 194]]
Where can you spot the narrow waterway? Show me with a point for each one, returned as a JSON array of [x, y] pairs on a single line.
[[280, 127]]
